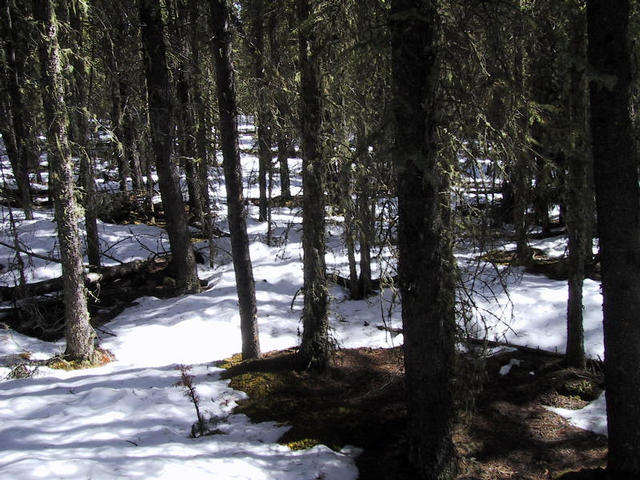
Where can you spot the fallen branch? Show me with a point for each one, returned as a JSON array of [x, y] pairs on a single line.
[[91, 280]]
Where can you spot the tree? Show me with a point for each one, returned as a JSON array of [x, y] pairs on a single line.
[[162, 124], [16, 57], [617, 199], [578, 187], [256, 44], [315, 348], [225, 83], [79, 131], [79, 333], [425, 263]]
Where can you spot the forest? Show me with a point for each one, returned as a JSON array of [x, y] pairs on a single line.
[[319, 239]]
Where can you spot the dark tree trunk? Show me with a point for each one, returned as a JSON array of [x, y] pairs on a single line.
[[186, 121], [283, 110], [578, 190], [130, 139], [202, 126], [366, 213], [225, 83], [256, 47], [425, 259], [80, 132], [15, 62], [79, 333], [123, 54], [283, 163], [161, 116], [118, 131], [617, 200], [315, 349], [350, 226]]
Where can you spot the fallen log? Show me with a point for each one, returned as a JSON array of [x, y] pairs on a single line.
[[92, 279]]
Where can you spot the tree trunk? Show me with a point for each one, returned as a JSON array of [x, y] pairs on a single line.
[[617, 200], [15, 62], [256, 47], [283, 162], [315, 349], [117, 127], [578, 190], [366, 212], [225, 83], [79, 333], [425, 262], [161, 115], [80, 131]]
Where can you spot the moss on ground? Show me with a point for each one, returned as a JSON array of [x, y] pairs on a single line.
[[102, 357]]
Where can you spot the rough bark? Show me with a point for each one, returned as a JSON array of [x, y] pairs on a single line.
[[578, 190], [617, 200], [15, 63], [225, 84], [161, 116], [202, 126], [80, 131], [79, 333], [186, 127], [425, 260], [315, 348], [283, 163], [256, 47]]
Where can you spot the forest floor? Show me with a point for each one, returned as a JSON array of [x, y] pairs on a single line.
[[504, 431]]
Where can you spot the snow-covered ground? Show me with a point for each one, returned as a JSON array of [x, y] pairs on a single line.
[[128, 419]]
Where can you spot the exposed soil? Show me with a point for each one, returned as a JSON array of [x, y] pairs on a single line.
[[508, 434]]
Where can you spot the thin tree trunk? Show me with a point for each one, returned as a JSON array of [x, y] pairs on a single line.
[[578, 190], [283, 162], [161, 115], [15, 59], [425, 258], [256, 47], [79, 333], [225, 83], [80, 132], [366, 213], [617, 199], [315, 349]]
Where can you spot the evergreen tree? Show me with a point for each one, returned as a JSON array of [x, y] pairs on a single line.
[[315, 349], [617, 199], [425, 263], [162, 124], [225, 83], [79, 333], [21, 151]]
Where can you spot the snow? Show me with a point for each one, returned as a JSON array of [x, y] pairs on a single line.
[[592, 417], [127, 419]]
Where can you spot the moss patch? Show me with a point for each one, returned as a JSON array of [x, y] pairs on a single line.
[[361, 401], [61, 363], [358, 401], [229, 362]]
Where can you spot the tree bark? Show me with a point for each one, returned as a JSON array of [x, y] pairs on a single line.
[[79, 333], [425, 262], [256, 47], [617, 200], [80, 131], [15, 62], [161, 116], [226, 88], [578, 190], [315, 349]]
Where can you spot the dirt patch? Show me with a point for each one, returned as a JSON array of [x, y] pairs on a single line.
[[360, 401]]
